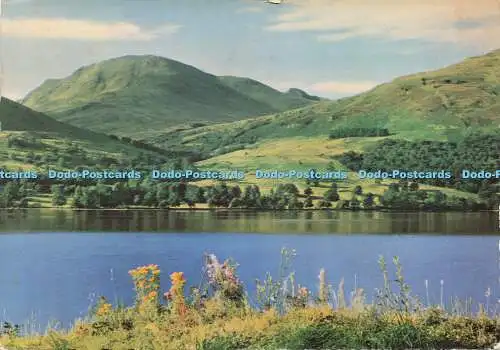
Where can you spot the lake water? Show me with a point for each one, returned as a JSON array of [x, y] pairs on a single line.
[[53, 263]]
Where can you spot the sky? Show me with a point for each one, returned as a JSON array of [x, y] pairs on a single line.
[[331, 48]]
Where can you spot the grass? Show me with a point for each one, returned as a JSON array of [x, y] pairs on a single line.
[[218, 314], [303, 153]]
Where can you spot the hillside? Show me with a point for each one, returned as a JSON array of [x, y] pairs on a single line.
[[131, 94], [434, 105], [16, 117], [29, 139], [293, 98]]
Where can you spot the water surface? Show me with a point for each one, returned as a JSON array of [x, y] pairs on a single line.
[[53, 262]]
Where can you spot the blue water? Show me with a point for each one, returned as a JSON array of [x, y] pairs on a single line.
[[54, 275]]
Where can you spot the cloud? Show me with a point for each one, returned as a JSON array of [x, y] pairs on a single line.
[[341, 87], [60, 28], [249, 9], [430, 20], [15, 2]]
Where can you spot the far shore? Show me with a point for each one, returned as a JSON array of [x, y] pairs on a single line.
[[140, 208]]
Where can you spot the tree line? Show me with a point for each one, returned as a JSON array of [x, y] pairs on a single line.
[[343, 132], [164, 195]]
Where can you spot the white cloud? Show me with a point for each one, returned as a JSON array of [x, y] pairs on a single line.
[[15, 2], [249, 9], [430, 20], [341, 87], [60, 28]]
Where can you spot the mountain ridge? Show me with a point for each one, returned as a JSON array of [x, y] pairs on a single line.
[[442, 104], [124, 94]]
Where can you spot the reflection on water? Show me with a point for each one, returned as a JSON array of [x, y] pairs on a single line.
[[36, 220]]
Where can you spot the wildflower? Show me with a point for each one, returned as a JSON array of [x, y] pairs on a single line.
[[222, 278], [177, 278], [103, 307], [147, 283], [176, 293], [303, 291]]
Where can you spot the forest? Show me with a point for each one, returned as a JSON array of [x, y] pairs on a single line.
[[474, 152]]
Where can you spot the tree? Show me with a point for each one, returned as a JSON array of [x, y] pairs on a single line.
[[163, 204], [331, 195], [354, 203], [294, 203], [308, 203], [369, 200], [251, 196], [288, 188], [121, 194], [149, 199], [235, 191], [10, 193], [137, 199], [414, 187], [77, 201], [174, 200], [358, 190], [58, 195], [23, 203], [162, 192], [90, 198], [308, 191], [324, 204]]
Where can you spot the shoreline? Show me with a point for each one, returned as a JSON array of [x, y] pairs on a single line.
[[378, 210]]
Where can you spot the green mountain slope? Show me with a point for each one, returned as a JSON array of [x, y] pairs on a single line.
[[434, 105], [131, 94], [279, 101], [30, 138], [16, 117]]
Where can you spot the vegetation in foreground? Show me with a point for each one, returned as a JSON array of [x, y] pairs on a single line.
[[220, 315]]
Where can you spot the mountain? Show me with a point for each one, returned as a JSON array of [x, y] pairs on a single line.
[[435, 105], [16, 117], [278, 101], [130, 94], [301, 94], [35, 136]]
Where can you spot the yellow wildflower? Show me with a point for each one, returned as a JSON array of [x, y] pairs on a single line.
[[177, 278]]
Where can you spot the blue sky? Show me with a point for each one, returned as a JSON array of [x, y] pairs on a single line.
[[332, 48]]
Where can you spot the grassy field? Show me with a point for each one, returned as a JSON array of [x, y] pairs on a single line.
[[301, 153]]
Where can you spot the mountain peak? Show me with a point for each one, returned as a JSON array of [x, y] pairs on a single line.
[[303, 94], [128, 93]]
